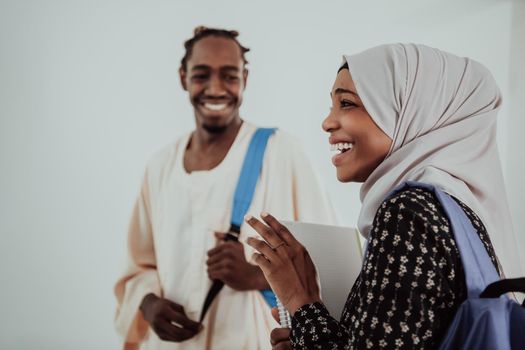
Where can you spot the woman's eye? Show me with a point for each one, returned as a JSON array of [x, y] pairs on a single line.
[[347, 103]]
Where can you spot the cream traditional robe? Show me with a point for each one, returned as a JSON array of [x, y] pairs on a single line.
[[173, 227]]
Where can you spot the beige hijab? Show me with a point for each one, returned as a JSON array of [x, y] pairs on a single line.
[[440, 111]]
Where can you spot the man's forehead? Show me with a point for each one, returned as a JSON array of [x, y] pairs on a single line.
[[215, 53]]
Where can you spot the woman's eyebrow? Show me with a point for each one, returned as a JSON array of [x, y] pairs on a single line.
[[345, 91]]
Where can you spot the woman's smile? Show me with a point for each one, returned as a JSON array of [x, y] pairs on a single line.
[[343, 150]]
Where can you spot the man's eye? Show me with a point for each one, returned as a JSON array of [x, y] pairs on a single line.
[[199, 77], [231, 78]]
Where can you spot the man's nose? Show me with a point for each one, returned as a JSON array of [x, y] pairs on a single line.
[[215, 87]]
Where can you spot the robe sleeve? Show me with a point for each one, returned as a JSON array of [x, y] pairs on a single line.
[[140, 277]]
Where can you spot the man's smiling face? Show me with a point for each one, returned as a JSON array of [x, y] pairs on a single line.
[[215, 79]]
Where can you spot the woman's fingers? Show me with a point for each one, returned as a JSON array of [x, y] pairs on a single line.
[[279, 335], [266, 232], [275, 314], [263, 248], [285, 345], [281, 230], [263, 263]]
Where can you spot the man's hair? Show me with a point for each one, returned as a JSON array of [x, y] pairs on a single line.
[[344, 66], [203, 32]]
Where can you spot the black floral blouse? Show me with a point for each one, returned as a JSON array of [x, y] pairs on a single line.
[[409, 288]]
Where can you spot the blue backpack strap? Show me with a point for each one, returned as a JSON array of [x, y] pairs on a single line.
[[270, 297], [479, 270], [242, 199], [250, 171]]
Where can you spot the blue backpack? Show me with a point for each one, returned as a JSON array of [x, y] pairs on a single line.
[[488, 319]]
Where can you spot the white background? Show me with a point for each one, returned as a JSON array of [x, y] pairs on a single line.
[[89, 90]]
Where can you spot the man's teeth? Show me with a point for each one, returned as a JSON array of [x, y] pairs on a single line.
[[341, 146], [214, 106]]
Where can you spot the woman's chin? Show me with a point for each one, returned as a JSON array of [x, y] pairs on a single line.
[[342, 177]]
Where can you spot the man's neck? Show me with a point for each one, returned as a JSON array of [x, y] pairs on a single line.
[[206, 150], [203, 139]]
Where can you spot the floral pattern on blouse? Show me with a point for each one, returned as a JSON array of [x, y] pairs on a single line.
[[411, 283]]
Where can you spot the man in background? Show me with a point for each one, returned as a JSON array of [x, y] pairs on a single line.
[[176, 235]]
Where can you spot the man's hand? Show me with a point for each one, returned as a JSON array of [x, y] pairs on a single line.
[[227, 263], [280, 337], [168, 319]]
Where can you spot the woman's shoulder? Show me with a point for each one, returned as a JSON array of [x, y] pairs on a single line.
[[420, 202], [412, 209]]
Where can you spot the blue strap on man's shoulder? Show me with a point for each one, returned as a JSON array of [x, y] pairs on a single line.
[[250, 172], [251, 169]]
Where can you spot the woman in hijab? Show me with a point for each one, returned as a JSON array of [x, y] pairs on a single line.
[[400, 113]]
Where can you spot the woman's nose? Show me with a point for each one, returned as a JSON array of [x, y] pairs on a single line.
[[330, 123]]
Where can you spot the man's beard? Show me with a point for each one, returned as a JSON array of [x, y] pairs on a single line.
[[214, 129]]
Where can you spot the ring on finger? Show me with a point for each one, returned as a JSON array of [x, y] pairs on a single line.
[[277, 246]]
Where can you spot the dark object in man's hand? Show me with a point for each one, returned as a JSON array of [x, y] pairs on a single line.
[[168, 319]]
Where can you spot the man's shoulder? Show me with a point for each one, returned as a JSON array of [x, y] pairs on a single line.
[[284, 142], [280, 141], [165, 155]]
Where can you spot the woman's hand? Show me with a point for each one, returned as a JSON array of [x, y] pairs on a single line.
[[285, 263], [280, 337]]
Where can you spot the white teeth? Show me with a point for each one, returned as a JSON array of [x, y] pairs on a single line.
[[341, 146], [215, 107]]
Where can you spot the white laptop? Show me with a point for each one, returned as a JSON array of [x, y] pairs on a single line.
[[337, 253]]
